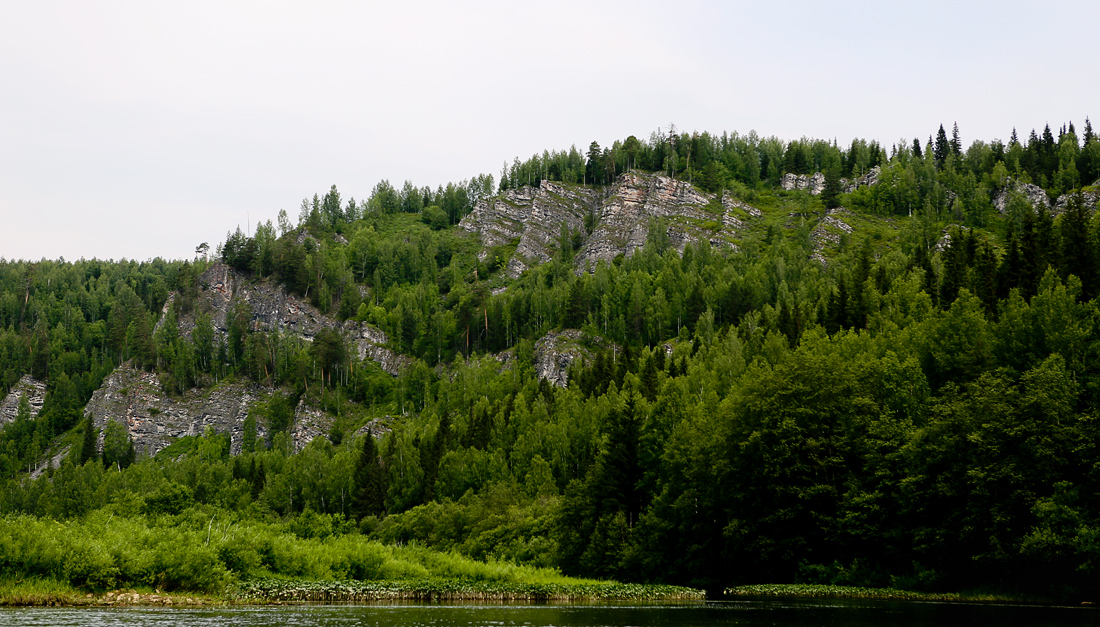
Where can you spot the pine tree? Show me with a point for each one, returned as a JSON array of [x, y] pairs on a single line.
[[956, 143]]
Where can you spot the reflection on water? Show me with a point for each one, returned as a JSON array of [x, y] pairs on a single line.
[[751, 612]]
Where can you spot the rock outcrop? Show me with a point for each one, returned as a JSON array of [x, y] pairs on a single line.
[[135, 398], [620, 218], [828, 232], [1089, 198], [689, 215], [1038, 198], [556, 352], [532, 218], [1034, 194], [35, 391], [276, 310], [815, 183]]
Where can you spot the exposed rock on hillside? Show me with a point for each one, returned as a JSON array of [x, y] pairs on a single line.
[[273, 309], [828, 232], [637, 199], [1037, 197], [1033, 193], [533, 218], [556, 351], [36, 396], [1090, 199], [135, 398], [816, 183]]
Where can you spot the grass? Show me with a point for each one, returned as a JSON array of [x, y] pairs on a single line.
[[851, 592], [433, 590]]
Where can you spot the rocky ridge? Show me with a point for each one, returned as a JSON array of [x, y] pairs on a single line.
[[621, 216], [36, 397]]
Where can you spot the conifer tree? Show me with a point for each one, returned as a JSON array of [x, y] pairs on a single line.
[[941, 147], [369, 498], [87, 447]]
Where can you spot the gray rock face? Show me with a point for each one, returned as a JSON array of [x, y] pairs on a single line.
[[35, 391], [275, 310], [556, 351], [815, 183], [828, 232], [1090, 199], [637, 199], [1033, 193], [871, 178], [1038, 198], [135, 398], [533, 218]]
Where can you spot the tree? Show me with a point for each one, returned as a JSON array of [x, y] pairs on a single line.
[[941, 147], [594, 166], [118, 447], [370, 481], [831, 193], [87, 447]]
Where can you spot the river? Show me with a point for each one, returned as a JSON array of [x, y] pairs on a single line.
[[748, 612]]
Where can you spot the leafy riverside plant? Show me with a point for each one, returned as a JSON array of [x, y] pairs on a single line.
[[176, 552]]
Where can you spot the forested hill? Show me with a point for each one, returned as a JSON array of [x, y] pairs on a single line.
[[693, 359]]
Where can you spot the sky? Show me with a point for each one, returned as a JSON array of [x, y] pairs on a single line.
[[143, 129]]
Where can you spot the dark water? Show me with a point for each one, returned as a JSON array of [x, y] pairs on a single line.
[[783, 613]]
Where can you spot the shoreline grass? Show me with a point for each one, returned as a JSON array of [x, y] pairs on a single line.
[[434, 590], [52, 593], [851, 592]]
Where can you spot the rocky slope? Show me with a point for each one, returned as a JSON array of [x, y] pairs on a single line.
[[35, 391], [815, 183], [276, 310], [1037, 197], [620, 218]]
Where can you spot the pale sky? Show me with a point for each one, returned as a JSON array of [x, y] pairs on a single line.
[[142, 129]]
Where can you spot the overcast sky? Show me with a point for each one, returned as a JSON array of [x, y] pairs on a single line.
[[142, 129]]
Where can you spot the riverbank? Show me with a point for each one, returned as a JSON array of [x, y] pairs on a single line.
[[49, 593], [811, 590]]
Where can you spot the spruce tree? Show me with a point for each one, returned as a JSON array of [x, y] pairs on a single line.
[[87, 447], [369, 498], [941, 147]]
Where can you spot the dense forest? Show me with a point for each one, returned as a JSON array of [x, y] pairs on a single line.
[[920, 411]]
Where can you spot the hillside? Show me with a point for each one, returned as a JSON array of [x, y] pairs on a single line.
[[699, 359]]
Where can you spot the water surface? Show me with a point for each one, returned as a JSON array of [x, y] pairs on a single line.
[[748, 612]]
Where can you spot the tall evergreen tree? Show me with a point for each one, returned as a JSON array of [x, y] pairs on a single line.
[[369, 498], [941, 148]]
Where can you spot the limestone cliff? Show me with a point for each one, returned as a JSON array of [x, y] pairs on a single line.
[[610, 222], [135, 398], [35, 391], [556, 352], [276, 310], [815, 183]]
